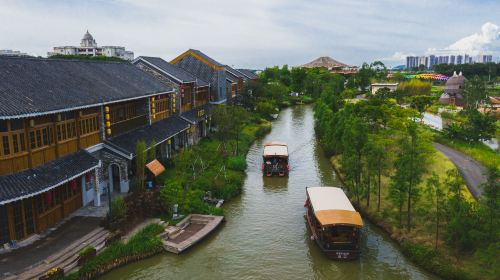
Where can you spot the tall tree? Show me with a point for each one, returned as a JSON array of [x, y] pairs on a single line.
[[354, 140], [378, 159], [298, 76], [491, 203], [140, 163], [474, 94], [410, 165], [436, 195]]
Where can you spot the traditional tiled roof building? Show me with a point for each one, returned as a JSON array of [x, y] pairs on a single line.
[[207, 69], [68, 130], [193, 93]]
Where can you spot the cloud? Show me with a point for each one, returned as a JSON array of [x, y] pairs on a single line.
[[249, 34], [485, 41], [397, 56]]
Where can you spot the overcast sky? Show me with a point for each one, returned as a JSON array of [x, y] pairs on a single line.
[[257, 33]]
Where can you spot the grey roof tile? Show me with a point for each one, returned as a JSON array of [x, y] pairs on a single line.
[[30, 86], [158, 132], [178, 73], [43, 178]]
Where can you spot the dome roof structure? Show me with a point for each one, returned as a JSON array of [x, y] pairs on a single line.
[[88, 40], [455, 84]]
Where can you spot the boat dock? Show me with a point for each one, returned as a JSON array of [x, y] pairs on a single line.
[[189, 231]]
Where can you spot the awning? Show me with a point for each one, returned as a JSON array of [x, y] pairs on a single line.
[[276, 149], [43, 178], [155, 167], [332, 207], [339, 217]]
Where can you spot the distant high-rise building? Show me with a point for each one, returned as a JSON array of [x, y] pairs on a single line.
[[430, 61], [88, 46], [13, 53]]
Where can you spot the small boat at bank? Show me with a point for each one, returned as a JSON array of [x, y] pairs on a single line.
[[275, 159], [188, 232], [334, 223]]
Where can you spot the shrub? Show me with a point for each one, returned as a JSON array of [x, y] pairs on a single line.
[[262, 130], [118, 208], [145, 243], [237, 163], [86, 250]]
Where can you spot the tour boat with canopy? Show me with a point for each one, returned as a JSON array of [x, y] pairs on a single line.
[[275, 159], [334, 223]]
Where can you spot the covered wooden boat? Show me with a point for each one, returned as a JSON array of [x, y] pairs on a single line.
[[189, 231], [275, 159], [334, 223]]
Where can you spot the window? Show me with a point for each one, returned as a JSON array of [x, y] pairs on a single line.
[[5, 144], [40, 137], [89, 125], [66, 130]]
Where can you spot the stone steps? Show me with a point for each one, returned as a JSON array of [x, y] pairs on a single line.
[[67, 258]]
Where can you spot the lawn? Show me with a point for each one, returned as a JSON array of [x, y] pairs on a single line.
[[478, 151], [419, 243]]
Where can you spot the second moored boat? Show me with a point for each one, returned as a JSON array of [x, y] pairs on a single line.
[[334, 223]]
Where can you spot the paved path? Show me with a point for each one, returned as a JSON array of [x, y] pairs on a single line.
[[473, 172], [62, 237]]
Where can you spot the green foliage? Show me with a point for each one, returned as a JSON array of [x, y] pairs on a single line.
[[410, 165], [86, 250], [432, 260], [487, 71], [478, 151], [421, 102], [414, 87], [462, 228], [474, 93], [118, 208], [144, 242], [298, 76], [476, 127], [266, 108], [237, 163], [140, 163], [151, 151]]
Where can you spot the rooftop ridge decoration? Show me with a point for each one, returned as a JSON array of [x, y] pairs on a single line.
[[197, 56]]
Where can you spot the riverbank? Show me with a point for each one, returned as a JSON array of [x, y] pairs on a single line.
[[213, 176], [268, 217], [419, 244]]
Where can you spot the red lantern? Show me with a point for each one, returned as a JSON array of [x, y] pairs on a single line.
[[48, 197], [88, 178], [72, 184]]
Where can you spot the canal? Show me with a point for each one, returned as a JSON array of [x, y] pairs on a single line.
[[265, 235]]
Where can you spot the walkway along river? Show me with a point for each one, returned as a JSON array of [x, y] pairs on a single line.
[[265, 235]]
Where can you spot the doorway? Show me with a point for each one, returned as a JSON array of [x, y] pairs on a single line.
[[114, 177]]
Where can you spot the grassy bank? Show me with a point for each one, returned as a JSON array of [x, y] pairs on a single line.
[[478, 151], [210, 166], [144, 244], [419, 244]]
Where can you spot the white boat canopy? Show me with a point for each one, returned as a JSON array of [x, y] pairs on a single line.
[[332, 207], [276, 149]]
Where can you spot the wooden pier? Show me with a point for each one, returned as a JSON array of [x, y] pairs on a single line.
[[189, 231]]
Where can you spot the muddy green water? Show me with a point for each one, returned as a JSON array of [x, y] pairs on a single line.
[[265, 235]]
